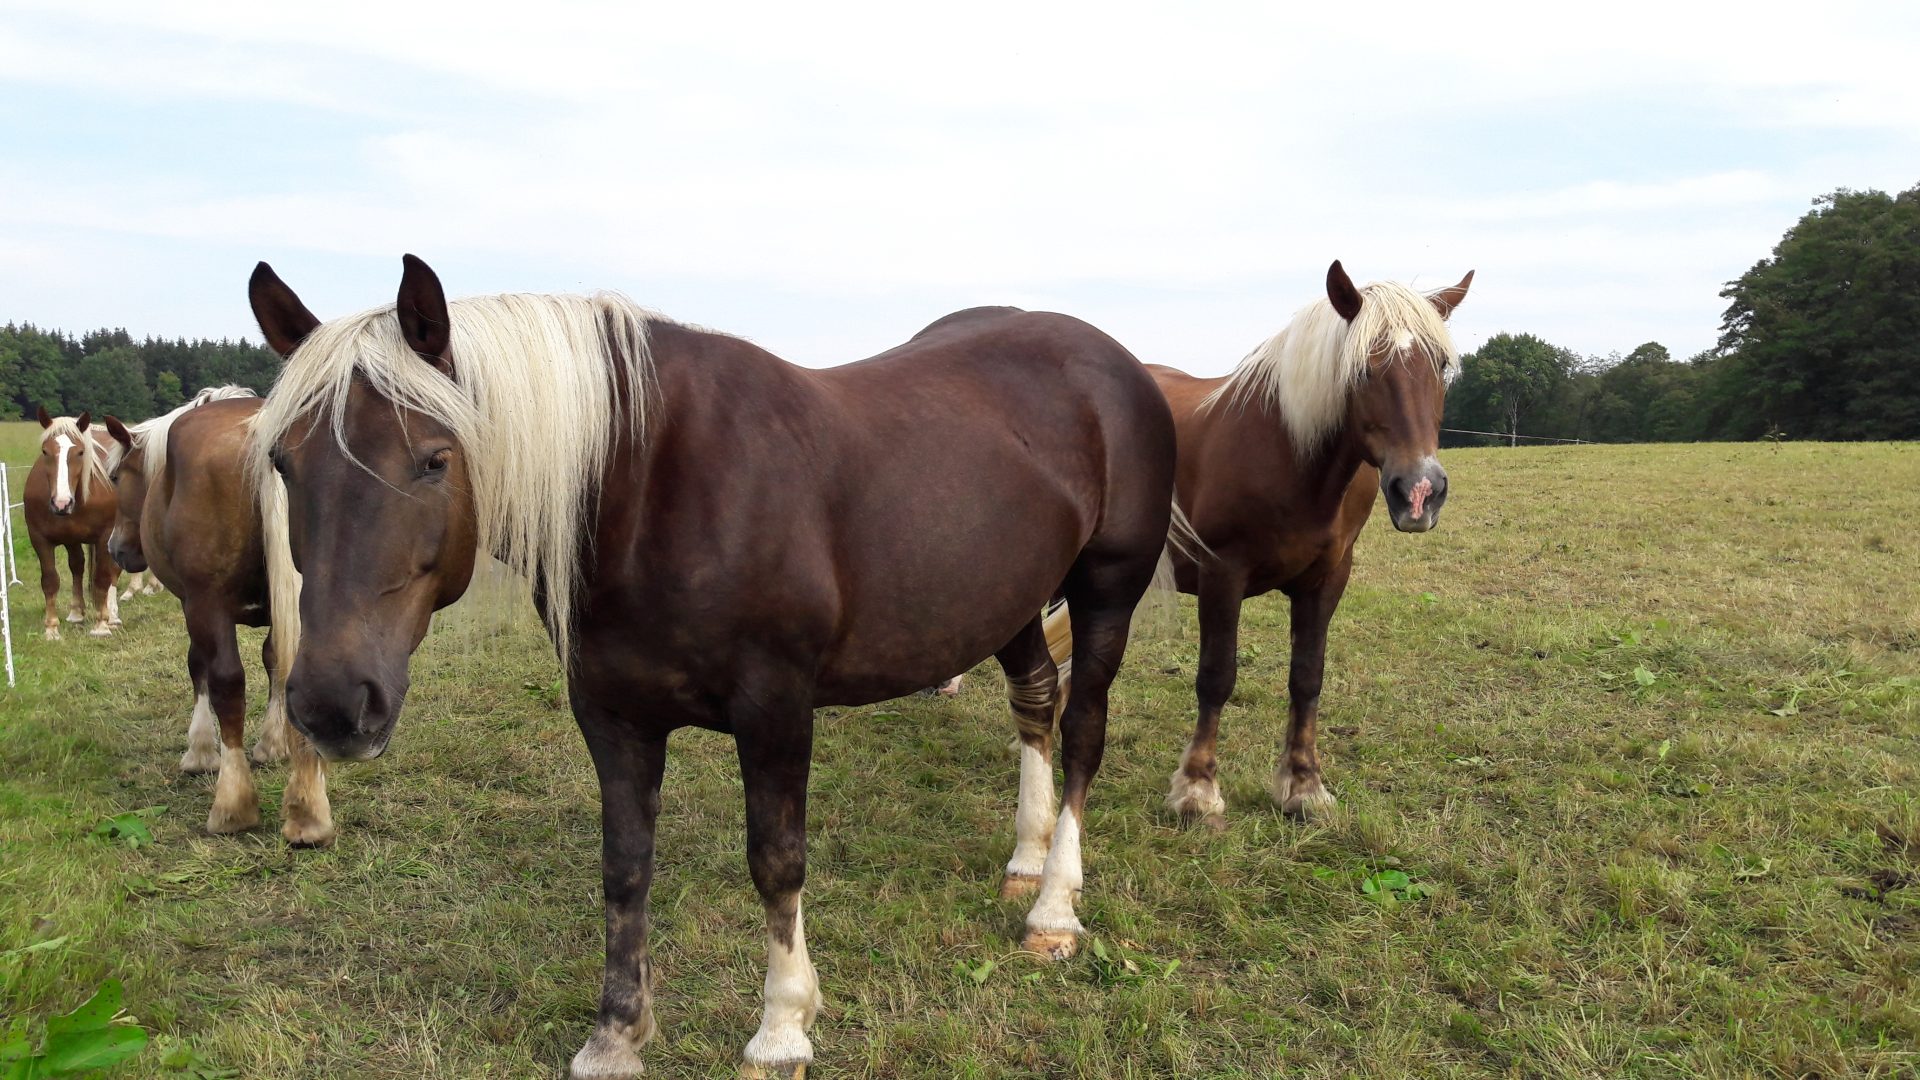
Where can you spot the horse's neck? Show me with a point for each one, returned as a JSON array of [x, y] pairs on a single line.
[[1319, 479]]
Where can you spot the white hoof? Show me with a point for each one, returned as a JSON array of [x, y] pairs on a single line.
[[1306, 804], [1052, 944], [75, 616], [1196, 801], [613, 1053], [102, 630], [52, 634]]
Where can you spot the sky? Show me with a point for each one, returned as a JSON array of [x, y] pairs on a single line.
[[826, 178]]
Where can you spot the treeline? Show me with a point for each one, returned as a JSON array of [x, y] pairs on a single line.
[[107, 371], [1819, 341]]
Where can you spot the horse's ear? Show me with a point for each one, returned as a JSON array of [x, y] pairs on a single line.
[[1449, 298], [422, 307], [45, 420], [119, 431], [1340, 290], [283, 319], [85, 418]]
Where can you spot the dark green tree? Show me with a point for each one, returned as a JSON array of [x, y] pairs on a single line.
[[1504, 381], [1823, 338], [109, 380]]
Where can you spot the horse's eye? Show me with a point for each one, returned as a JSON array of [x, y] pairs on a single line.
[[436, 462]]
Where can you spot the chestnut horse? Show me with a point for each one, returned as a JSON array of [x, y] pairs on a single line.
[[1279, 462], [68, 503], [187, 514], [717, 539]]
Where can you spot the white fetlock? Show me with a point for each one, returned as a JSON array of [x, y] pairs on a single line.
[[1195, 800], [781, 1047], [606, 1057], [1053, 930], [1309, 805], [236, 803]]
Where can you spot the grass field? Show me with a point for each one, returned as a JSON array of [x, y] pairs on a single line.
[[1642, 720]]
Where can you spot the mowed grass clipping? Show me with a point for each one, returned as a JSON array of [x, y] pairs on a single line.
[[1637, 725]]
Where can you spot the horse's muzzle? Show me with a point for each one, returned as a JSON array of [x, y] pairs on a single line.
[[132, 560], [345, 718], [1415, 495]]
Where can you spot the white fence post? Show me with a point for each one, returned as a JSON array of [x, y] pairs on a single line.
[[10, 571]]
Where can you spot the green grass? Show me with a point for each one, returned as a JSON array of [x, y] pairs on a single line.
[[1642, 720]]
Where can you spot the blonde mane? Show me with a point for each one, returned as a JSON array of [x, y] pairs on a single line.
[[150, 436], [1308, 371], [93, 460], [533, 401]]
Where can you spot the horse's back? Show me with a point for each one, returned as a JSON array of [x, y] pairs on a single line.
[[904, 516], [202, 511], [968, 317]]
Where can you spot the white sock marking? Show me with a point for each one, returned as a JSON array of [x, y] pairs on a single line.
[[792, 999], [1032, 820], [1053, 911], [203, 738]]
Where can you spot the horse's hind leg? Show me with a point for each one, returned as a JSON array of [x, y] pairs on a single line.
[[1101, 592], [236, 803], [271, 744], [203, 732], [49, 557], [1032, 689], [77, 567], [106, 602]]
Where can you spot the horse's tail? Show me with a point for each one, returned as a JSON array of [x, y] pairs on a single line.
[[1157, 606]]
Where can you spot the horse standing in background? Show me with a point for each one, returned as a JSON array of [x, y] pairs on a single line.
[[142, 582], [1279, 462], [70, 504], [718, 539], [187, 514]]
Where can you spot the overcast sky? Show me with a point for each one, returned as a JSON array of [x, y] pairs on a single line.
[[826, 178]]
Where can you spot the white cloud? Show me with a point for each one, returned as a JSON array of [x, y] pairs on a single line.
[[1180, 176]]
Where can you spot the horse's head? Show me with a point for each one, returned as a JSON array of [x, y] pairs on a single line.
[[129, 475], [1395, 409], [68, 451], [380, 514]]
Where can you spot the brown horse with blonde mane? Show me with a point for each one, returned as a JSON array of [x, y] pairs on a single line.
[[187, 513], [1279, 464], [717, 539], [69, 503]]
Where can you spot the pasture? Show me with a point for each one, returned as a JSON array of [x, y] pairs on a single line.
[[1640, 726]]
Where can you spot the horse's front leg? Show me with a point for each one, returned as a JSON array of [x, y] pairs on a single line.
[[49, 556], [1297, 785], [1194, 793], [77, 569], [629, 766], [773, 734]]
